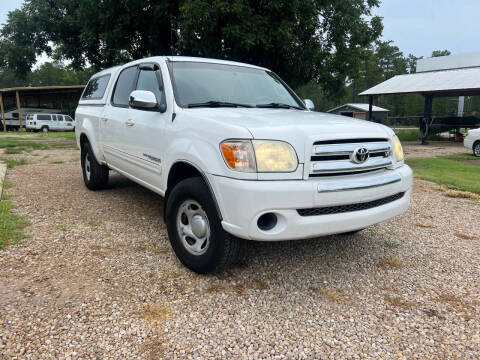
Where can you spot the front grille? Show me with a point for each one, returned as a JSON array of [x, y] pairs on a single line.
[[349, 207], [333, 157]]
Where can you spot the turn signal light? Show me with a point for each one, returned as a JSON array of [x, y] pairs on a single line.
[[239, 155]]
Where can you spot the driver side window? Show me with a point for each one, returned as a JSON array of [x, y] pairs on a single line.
[[147, 80]]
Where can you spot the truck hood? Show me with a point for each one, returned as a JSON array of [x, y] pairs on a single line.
[[299, 128]]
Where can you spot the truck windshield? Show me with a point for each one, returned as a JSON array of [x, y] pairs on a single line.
[[217, 85]]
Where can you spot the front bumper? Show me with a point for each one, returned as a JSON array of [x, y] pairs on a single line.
[[242, 202]]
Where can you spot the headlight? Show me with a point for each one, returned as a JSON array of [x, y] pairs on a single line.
[[259, 155], [397, 149], [275, 156]]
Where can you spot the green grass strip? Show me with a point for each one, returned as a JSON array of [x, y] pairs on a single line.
[[450, 171]]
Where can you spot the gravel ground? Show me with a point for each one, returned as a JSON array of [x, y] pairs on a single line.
[[413, 149], [97, 279]]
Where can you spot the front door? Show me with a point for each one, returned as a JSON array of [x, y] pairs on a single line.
[[68, 122], [113, 121], [145, 128]]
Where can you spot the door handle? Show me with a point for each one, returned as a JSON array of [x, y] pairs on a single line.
[[129, 122]]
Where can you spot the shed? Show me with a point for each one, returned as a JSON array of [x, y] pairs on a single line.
[[64, 98], [360, 111]]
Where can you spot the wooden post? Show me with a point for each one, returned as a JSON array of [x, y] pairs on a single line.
[[19, 110], [424, 123], [370, 107], [2, 110]]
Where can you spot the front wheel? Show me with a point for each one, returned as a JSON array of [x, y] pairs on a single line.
[[476, 148], [195, 231], [45, 129], [95, 175]]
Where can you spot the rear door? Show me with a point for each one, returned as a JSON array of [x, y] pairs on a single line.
[[60, 123], [145, 129], [54, 122]]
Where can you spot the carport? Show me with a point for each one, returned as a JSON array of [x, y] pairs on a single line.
[[63, 97], [446, 76]]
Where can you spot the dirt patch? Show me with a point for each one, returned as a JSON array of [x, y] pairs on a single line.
[[391, 262], [414, 149]]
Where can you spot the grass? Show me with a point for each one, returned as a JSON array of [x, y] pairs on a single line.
[[63, 227], [156, 314], [94, 223], [42, 141], [11, 163], [465, 236], [58, 134], [391, 262], [448, 171], [11, 224], [391, 244], [399, 302], [12, 150], [333, 295], [412, 135], [424, 225]]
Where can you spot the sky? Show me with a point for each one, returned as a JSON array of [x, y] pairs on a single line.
[[416, 26]]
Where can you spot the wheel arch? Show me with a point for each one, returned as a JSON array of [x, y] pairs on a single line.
[[184, 169], [476, 142]]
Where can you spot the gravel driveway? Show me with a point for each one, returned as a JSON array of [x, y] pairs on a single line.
[[97, 279]]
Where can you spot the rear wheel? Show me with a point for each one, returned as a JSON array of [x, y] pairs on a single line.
[[45, 129], [95, 175], [476, 148], [195, 230]]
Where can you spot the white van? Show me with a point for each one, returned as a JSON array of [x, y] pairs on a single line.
[[12, 116], [49, 122]]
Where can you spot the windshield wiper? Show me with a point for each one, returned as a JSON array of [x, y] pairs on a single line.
[[278, 106], [214, 103]]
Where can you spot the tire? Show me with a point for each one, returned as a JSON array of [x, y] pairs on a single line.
[[476, 148], [191, 211], [45, 129], [95, 175]]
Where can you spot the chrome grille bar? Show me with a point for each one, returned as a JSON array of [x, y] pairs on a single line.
[[328, 158], [347, 165], [341, 149]]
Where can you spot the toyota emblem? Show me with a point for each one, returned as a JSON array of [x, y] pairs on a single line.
[[360, 155]]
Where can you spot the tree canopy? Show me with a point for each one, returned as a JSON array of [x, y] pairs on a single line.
[[328, 50], [298, 39]]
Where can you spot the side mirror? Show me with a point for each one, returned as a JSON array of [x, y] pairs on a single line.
[[309, 104], [143, 100]]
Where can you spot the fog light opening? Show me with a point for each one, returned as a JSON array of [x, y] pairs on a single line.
[[267, 221]]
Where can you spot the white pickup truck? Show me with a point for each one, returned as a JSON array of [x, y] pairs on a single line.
[[237, 155]]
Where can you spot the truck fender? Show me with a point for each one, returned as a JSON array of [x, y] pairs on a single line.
[[88, 132]]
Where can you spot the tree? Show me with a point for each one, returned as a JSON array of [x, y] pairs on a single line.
[[437, 53], [298, 39], [412, 63]]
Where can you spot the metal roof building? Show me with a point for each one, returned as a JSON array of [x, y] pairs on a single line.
[[65, 97], [360, 111], [453, 82], [454, 75]]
